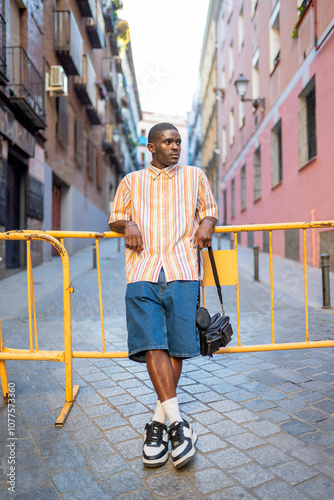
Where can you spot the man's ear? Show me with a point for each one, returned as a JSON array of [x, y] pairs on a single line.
[[151, 147]]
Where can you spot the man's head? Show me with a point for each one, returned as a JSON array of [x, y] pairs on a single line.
[[164, 142], [158, 130]]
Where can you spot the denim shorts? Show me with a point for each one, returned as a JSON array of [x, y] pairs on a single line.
[[162, 316]]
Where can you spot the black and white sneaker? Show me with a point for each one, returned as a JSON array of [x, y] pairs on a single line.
[[155, 449], [183, 440]]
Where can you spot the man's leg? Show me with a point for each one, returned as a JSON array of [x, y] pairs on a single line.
[[160, 414], [165, 372]]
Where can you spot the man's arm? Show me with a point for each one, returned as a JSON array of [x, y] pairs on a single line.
[[203, 235], [132, 236]]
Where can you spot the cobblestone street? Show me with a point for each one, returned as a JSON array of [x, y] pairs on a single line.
[[265, 420]]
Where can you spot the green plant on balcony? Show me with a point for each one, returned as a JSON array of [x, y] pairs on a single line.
[[301, 9]]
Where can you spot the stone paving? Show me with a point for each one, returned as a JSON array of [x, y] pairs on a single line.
[[265, 420]]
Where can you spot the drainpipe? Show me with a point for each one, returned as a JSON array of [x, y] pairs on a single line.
[[315, 25]]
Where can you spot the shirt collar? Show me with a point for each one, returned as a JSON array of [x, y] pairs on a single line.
[[169, 171]]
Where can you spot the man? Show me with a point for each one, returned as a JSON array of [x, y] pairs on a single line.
[[165, 212]]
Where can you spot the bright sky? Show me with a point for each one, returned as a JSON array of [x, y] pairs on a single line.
[[166, 41]]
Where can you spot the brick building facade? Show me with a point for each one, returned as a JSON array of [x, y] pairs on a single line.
[[69, 109]]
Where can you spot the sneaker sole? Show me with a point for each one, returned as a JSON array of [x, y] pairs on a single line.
[[153, 464], [186, 458]]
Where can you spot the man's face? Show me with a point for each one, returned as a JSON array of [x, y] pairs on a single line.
[[166, 149]]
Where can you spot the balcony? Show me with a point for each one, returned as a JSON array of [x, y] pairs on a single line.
[[85, 86], [95, 27], [93, 115], [86, 7], [3, 58], [68, 43], [26, 88], [109, 146], [109, 17], [118, 64], [107, 73], [114, 45]]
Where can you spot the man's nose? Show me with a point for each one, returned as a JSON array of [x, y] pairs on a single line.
[[176, 145]]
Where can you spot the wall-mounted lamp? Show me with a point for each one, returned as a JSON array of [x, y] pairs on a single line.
[[241, 86]]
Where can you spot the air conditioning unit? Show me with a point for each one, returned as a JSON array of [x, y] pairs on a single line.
[[56, 81]]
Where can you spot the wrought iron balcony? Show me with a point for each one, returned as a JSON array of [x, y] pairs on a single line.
[[3, 55], [85, 86], [26, 88], [95, 27], [109, 17], [68, 43], [107, 73], [86, 7], [109, 145], [114, 45]]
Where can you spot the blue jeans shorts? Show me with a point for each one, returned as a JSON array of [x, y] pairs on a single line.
[[162, 316]]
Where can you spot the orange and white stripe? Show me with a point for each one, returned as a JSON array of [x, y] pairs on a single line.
[[167, 206]]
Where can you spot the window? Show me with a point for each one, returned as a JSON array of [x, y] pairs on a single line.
[[230, 61], [243, 187], [223, 78], [62, 121], [255, 75], [78, 141], [241, 114], [99, 170], [257, 173], [254, 5], [229, 9], [241, 29], [224, 146], [231, 126], [274, 38], [276, 155], [232, 198], [307, 133], [142, 160], [90, 160]]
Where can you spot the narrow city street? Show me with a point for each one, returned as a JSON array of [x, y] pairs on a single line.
[[265, 420]]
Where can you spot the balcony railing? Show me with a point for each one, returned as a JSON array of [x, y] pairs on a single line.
[[107, 73], [109, 17], [95, 27], [86, 7], [3, 58], [85, 86], [68, 42], [114, 45], [26, 88]]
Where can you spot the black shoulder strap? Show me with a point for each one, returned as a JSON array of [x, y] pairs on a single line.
[[215, 274]]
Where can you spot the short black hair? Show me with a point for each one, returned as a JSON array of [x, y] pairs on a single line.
[[159, 129]]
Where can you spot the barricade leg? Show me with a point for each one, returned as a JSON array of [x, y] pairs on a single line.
[[3, 373], [70, 391]]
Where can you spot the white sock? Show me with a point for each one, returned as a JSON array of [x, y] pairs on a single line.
[[171, 407], [160, 415]]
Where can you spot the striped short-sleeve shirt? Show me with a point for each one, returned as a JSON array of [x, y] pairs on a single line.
[[167, 205]]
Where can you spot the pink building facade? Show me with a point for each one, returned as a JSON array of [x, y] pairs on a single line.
[[276, 160]]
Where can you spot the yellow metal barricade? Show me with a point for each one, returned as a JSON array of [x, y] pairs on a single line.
[[227, 265], [34, 353]]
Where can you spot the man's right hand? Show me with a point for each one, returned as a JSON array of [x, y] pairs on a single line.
[[132, 237]]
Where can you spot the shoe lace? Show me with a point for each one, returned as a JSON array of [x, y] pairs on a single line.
[[177, 432], [154, 432]]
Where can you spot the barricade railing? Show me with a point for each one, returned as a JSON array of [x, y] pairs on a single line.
[[34, 353], [227, 259]]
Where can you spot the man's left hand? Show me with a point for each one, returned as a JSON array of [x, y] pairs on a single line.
[[203, 235]]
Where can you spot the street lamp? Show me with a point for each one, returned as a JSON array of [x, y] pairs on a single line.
[[241, 87]]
